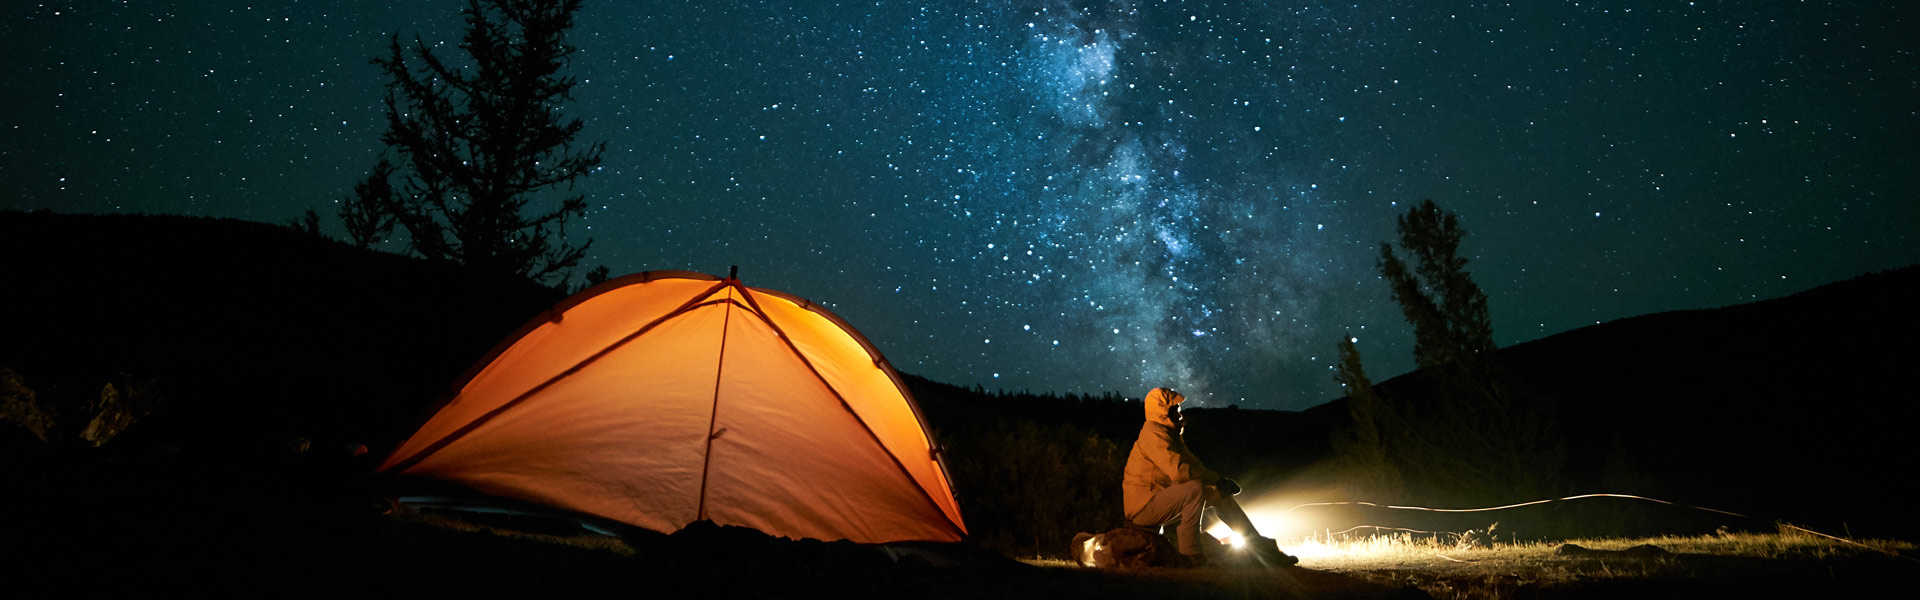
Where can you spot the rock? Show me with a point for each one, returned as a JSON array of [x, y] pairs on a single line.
[[1125, 549]]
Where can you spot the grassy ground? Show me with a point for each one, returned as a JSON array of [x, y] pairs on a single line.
[[1786, 564], [98, 528]]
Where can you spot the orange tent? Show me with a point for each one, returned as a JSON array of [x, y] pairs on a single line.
[[662, 398]]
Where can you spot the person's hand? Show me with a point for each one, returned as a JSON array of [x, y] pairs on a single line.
[[1227, 487]]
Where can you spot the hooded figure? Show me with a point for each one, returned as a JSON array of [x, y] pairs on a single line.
[[1164, 483], [1160, 458]]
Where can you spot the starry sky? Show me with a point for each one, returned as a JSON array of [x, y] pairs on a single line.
[[1075, 197]]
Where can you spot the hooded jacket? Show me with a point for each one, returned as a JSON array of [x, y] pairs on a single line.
[[1160, 457]]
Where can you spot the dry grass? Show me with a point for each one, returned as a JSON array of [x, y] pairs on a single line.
[[1794, 559], [1787, 564]]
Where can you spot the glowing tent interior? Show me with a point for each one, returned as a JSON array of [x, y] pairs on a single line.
[[662, 398]]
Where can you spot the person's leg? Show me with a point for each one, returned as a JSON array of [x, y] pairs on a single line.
[[1180, 505], [1229, 512]]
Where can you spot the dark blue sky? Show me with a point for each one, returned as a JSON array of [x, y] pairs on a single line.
[[1076, 197]]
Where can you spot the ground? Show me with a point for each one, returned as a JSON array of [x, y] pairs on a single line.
[[1783, 564], [100, 528]]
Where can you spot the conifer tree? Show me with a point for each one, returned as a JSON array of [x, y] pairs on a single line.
[[486, 161], [1446, 308], [1492, 438], [370, 213], [1364, 446]]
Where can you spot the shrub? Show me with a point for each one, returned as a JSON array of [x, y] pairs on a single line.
[[107, 414], [1026, 488], [21, 406]]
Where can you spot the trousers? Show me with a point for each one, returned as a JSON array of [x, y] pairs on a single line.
[[1181, 506]]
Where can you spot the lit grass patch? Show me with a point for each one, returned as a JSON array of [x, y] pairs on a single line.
[[1506, 569]]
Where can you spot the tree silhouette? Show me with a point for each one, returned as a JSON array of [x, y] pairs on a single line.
[[482, 151], [308, 223], [1364, 446], [1478, 431], [597, 276], [1446, 308], [371, 212]]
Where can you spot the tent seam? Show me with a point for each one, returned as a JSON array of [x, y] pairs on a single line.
[[443, 442], [801, 356]]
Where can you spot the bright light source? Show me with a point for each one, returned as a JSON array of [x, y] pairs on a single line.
[[1087, 548], [1226, 535]]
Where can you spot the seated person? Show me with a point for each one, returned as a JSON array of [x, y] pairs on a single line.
[[1166, 484]]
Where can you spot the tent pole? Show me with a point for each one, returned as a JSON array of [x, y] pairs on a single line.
[[720, 366]]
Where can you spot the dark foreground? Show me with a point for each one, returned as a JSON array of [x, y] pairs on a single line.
[[102, 526], [123, 527]]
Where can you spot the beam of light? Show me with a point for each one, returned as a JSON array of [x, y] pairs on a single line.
[[1274, 524], [1299, 534], [1226, 535], [1288, 528], [1309, 549], [1583, 497]]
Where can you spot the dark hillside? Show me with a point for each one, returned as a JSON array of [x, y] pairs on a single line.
[[1791, 408], [1254, 445], [1031, 470], [1232, 440], [247, 338], [245, 341]]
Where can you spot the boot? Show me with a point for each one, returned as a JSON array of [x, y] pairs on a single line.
[[1192, 561], [1268, 552]]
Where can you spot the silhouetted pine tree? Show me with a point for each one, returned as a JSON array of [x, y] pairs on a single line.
[[372, 211], [598, 275], [1446, 308], [479, 149], [1364, 447], [1494, 442], [308, 223]]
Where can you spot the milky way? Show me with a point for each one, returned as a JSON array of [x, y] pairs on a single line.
[[1076, 197]]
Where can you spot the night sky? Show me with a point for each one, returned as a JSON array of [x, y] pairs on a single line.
[[1075, 197]]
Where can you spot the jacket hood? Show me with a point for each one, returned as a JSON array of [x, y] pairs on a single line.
[[1158, 401]]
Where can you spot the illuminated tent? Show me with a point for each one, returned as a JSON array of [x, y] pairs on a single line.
[[663, 398]]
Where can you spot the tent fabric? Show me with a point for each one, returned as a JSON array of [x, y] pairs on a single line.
[[662, 398]]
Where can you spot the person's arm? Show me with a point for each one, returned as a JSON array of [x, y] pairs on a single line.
[[1175, 460], [1227, 487]]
